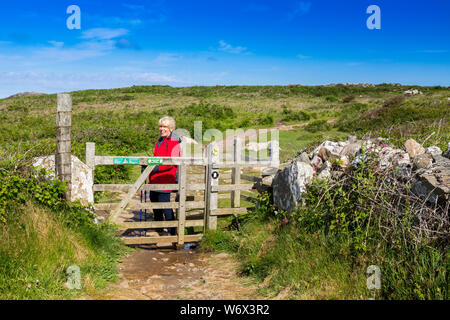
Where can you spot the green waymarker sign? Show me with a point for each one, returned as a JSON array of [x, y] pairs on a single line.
[[126, 161], [155, 161]]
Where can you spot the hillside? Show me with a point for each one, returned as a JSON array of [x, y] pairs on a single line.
[[124, 122]]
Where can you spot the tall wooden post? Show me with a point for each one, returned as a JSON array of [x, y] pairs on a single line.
[[63, 141], [90, 155], [212, 179], [90, 161], [182, 172], [236, 172]]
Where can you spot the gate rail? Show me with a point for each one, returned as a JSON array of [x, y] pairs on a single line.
[[210, 186]]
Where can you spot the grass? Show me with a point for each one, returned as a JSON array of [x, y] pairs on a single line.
[[37, 248], [290, 265], [292, 141], [124, 121], [287, 262]]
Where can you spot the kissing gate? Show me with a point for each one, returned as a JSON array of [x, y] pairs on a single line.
[[198, 175]]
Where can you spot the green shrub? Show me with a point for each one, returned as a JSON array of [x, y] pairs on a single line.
[[348, 99], [318, 125], [394, 102], [290, 115], [266, 120], [331, 99]]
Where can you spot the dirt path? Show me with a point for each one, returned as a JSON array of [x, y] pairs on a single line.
[[168, 274]]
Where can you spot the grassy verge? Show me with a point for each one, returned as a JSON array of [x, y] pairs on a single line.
[[42, 235], [289, 264], [290, 261], [37, 247]]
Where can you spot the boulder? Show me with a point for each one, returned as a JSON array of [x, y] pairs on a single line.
[[422, 161], [289, 184], [82, 177], [420, 190], [447, 153], [316, 163], [331, 146], [434, 183], [351, 150], [413, 148], [323, 153], [325, 172], [389, 157], [412, 92], [441, 160], [303, 157], [267, 181], [269, 171], [433, 150]]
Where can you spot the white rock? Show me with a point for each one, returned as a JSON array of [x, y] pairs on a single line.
[[316, 162], [433, 150], [334, 147], [290, 183], [82, 177], [325, 172], [390, 157], [412, 92]]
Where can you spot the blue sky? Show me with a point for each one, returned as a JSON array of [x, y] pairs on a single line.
[[215, 42]]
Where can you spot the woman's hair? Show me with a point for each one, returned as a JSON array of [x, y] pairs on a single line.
[[168, 122]]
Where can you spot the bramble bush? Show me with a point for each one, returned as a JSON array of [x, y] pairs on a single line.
[[368, 216], [21, 182], [377, 220]]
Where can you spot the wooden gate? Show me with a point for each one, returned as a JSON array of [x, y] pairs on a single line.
[[209, 177]]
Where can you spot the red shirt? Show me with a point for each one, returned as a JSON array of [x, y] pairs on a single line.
[[165, 174]]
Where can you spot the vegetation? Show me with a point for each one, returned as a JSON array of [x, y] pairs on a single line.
[[41, 235], [323, 249], [306, 255]]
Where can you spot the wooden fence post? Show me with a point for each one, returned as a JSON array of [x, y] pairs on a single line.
[[90, 161], [182, 203], [90, 155], [212, 179], [236, 172], [182, 172], [63, 141]]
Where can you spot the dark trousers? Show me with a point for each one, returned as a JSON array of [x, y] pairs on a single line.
[[162, 214]]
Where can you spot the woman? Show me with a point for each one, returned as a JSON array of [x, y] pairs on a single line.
[[168, 145]]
